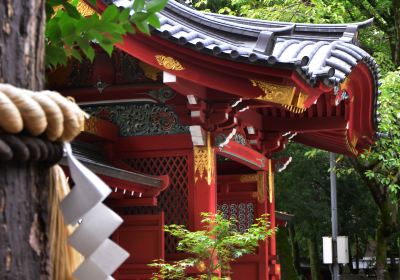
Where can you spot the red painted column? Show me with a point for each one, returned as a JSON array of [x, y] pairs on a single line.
[[274, 273], [204, 187], [263, 208]]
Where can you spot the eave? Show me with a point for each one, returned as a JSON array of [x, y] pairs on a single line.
[[317, 63]]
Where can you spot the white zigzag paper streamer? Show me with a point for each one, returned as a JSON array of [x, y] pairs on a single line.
[[102, 256]]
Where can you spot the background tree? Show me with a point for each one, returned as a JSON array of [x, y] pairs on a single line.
[[213, 249], [305, 192], [379, 167]]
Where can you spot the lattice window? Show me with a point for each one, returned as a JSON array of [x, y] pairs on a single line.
[[242, 212], [173, 201]]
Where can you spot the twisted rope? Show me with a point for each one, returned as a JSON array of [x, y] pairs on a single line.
[[45, 113]]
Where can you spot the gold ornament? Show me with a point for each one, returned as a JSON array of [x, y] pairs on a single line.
[[271, 181], [275, 93], [204, 161], [283, 95], [260, 179], [149, 71], [248, 178], [90, 125], [169, 63], [84, 9]]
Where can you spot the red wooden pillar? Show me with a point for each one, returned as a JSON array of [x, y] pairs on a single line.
[[204, 187], [274, 267]]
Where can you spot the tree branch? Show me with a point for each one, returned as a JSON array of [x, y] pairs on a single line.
[[381, 22], [374, 188]]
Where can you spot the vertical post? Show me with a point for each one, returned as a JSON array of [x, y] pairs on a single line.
[[205, 189], [335, 265], [271, 211]]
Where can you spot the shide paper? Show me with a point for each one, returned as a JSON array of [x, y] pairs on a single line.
[[98, 222]]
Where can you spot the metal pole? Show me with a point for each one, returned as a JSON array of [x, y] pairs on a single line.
[[335, 265]]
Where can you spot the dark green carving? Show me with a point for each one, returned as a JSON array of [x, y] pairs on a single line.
[[140, 119], [162, 94]]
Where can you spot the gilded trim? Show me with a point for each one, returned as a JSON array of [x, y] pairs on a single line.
[[169, 63], [90, 125], [283, 95], [149, 71], [271, 181], [345, 83], [204, 162], [84, 9], [260, 187], [275, 93], [294, 109], [248, 178], [351, 145], [301, 100], [260, 179]]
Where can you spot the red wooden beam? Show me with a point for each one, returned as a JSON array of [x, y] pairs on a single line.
[[304, 124], [244, 155]]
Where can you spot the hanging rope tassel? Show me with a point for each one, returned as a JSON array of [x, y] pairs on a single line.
[[63, 258]]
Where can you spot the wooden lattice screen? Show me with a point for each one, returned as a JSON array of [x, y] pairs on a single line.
[[174, 200]]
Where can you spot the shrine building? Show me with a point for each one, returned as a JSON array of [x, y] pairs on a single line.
[[188, 120]]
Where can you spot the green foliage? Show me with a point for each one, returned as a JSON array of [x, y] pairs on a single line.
[[212, 249], [303, 189], [69, 34], [285, 255], [382, 162], [379, 39]]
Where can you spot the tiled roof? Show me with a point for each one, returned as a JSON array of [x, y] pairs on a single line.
[[318, 52], [324, 52]]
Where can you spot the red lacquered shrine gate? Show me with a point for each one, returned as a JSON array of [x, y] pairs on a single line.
[[187, 120]]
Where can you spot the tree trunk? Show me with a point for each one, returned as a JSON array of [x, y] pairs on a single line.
[[314, 259], [357, 254], [285, 255], [386, 229], [351, 258], [23, 200], [295, 248], [395, 42], [398, 251], [381, 253]]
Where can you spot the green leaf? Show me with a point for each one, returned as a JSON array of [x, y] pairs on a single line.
[[138, 5], [55, 2], [55, 56], [155, 6], [84, 45], [71, 10], [143, 27], [129, 28], [95, 34], [92, 2], [108, 48], [67, 28], [139, 16], [53, 31], [76, 54], [110, 13], [49, 11], [124, 15], [154, 21]]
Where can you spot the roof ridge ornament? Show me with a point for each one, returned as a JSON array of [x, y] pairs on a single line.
[[267, 38]]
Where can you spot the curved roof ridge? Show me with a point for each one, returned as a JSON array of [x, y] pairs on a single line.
[[187, 12], [256, 25], [252, 21]]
